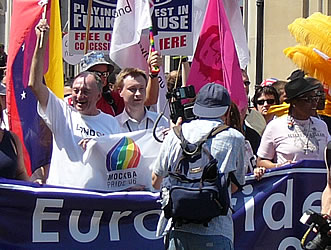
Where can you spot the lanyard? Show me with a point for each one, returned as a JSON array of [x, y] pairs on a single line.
[[129, 128]]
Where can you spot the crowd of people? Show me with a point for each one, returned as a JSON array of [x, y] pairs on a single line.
[[281, 127]]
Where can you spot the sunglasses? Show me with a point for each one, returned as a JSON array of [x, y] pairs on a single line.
[[101, 74], [247, 83], [310, 99], [269, 101]]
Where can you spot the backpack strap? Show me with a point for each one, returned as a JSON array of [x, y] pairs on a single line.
[[232, 178], [217, 130]]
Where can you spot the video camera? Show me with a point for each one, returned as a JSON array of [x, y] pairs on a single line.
[[177, 109], [322, 225]]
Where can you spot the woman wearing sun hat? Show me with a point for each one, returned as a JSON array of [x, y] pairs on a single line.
[[297, 136]]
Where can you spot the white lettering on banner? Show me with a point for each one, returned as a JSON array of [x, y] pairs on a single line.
[[173, 22], [289, 242], [287, 200], [308, 204], [100, 17], [184, 9], [141, 229], [114, 234], [39, 216], [94, 226], [249, 208]]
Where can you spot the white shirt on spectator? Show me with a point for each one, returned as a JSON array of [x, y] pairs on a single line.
[[128, 124], [280, 143]]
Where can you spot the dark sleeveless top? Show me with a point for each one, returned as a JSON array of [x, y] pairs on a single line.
[[8, 157]]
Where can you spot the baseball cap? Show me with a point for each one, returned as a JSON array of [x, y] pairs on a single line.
[[94, 58], [212, 101]]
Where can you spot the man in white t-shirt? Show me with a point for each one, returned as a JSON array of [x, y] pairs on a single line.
[[70, 125], [132, 83]]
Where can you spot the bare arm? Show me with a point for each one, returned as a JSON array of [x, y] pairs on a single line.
[[156, 181], [326, 195], [185, 72], [37, 65], [261, 162], [152, 89], [21, 173]]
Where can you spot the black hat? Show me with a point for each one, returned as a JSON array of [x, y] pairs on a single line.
[[298, 87]]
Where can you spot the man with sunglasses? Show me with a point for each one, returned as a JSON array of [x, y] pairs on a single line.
[[111, 102]]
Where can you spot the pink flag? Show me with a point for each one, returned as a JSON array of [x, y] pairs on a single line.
[[215, 58]]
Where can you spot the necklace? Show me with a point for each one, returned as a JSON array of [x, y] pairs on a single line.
[[301, 129]]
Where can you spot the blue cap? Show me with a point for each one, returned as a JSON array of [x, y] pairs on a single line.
[[213, 100]]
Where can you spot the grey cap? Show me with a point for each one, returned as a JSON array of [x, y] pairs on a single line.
[[213, 100], [94, 58], [2, 89]]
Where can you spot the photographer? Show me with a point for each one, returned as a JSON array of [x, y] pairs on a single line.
[[227, 147]]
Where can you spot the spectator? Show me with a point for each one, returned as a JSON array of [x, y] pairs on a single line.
[[254, 123], [69, 125], [233, 120], [265, 97], [279, 85], [227, 147], [11, 155], [131, 83], [4, 121], [3, 61], [298, 136]]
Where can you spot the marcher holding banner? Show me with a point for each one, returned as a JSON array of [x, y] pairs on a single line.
[[69, 125], [132, 84], [298, 136]]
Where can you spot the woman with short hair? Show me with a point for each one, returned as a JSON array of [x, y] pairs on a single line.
[[265, 97]]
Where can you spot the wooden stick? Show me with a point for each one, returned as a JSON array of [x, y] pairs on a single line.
[[87, 31], [43, 16]]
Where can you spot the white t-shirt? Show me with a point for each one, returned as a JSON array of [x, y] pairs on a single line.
[[69, 127], [280, 143], [128, 124]]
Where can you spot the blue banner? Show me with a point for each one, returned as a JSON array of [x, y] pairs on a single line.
[[45, 217]]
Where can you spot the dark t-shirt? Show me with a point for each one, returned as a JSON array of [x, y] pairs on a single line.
[[8, 157], [253, 137], [3, 62]]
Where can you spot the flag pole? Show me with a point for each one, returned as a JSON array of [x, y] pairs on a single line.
[[87, 32], [43, 16]]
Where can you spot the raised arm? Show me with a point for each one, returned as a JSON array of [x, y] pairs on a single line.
[[152, 89], [37, 65]]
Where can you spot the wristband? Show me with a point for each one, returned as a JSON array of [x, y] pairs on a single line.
[[152, 76]]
